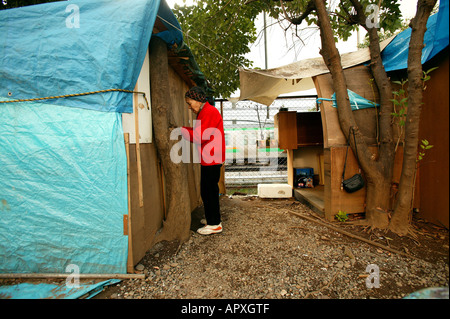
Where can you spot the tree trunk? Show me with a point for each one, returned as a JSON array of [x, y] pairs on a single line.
[[402, 213], [379, 183], [378, 175], [377, 202], [178, 221]]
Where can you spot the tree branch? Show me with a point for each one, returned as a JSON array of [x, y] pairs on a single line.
[[403, 208], [387, 153], [310, 7]]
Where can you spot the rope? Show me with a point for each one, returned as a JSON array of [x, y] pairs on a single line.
[[77, 94]]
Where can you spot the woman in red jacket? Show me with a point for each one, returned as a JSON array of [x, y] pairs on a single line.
[[208, 135]]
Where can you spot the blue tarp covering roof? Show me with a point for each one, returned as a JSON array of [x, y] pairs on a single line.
[[79, 46], [395, 55]]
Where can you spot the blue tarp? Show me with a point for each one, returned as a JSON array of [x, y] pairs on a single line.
[[63, 167], [357, 102], [173, 35], [395, 55], [53, 291], [63, 189], [72, 47]]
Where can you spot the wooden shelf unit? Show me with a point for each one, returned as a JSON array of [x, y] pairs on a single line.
[[298, 129]]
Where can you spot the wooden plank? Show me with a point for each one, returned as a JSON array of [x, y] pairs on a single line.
[[340, 199], [130, 264], [63, 276], [321, 169], [222, 188], [312, 197], [286, 124], [322, 112], [333, 135], [327, 181], [138, 148], [125, 225], [290, 167], [434, 126]]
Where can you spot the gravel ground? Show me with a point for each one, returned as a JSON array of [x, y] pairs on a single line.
[[265, 252]]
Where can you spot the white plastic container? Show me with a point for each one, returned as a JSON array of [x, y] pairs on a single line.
[[274, 190]]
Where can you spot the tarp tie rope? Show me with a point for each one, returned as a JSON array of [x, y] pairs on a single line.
[[319, 100], [77, 94]]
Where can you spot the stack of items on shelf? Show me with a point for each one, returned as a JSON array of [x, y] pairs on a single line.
[[303, 177]]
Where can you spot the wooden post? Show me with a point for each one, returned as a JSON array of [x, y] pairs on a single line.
[[290, 166], [222, 188], [138, 149], [130, 263]]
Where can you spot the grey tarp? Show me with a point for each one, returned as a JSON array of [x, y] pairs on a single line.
[[264, 86]]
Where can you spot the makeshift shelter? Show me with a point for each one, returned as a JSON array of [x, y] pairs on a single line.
[[80, 179], [316, 140]]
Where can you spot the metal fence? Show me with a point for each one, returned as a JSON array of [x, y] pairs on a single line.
[[252, 152]]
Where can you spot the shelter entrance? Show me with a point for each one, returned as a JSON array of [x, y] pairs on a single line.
[[301, 134], [256, 149]]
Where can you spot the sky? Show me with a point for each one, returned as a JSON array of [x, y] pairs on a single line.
[[284, 48]]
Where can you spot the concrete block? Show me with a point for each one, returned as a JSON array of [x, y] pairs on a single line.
[[274, 190]]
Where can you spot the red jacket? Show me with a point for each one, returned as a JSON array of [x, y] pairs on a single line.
[[208, 135]]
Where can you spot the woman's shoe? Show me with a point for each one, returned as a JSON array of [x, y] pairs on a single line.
[[210, 229]]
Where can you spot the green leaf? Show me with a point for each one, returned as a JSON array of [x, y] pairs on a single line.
[[431, 70]]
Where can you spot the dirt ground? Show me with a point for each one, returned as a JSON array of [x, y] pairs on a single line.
[[267, 252]]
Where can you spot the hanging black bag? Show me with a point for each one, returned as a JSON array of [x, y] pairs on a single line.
[[356, 182]]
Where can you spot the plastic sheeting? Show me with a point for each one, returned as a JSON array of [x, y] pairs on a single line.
[[63, 189], [429, 293], [395, 55], [173, 35], [53, 291], [264, 86], [72, 47], [357, 102]]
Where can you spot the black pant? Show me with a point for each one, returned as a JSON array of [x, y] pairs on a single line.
[[209, 190]]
